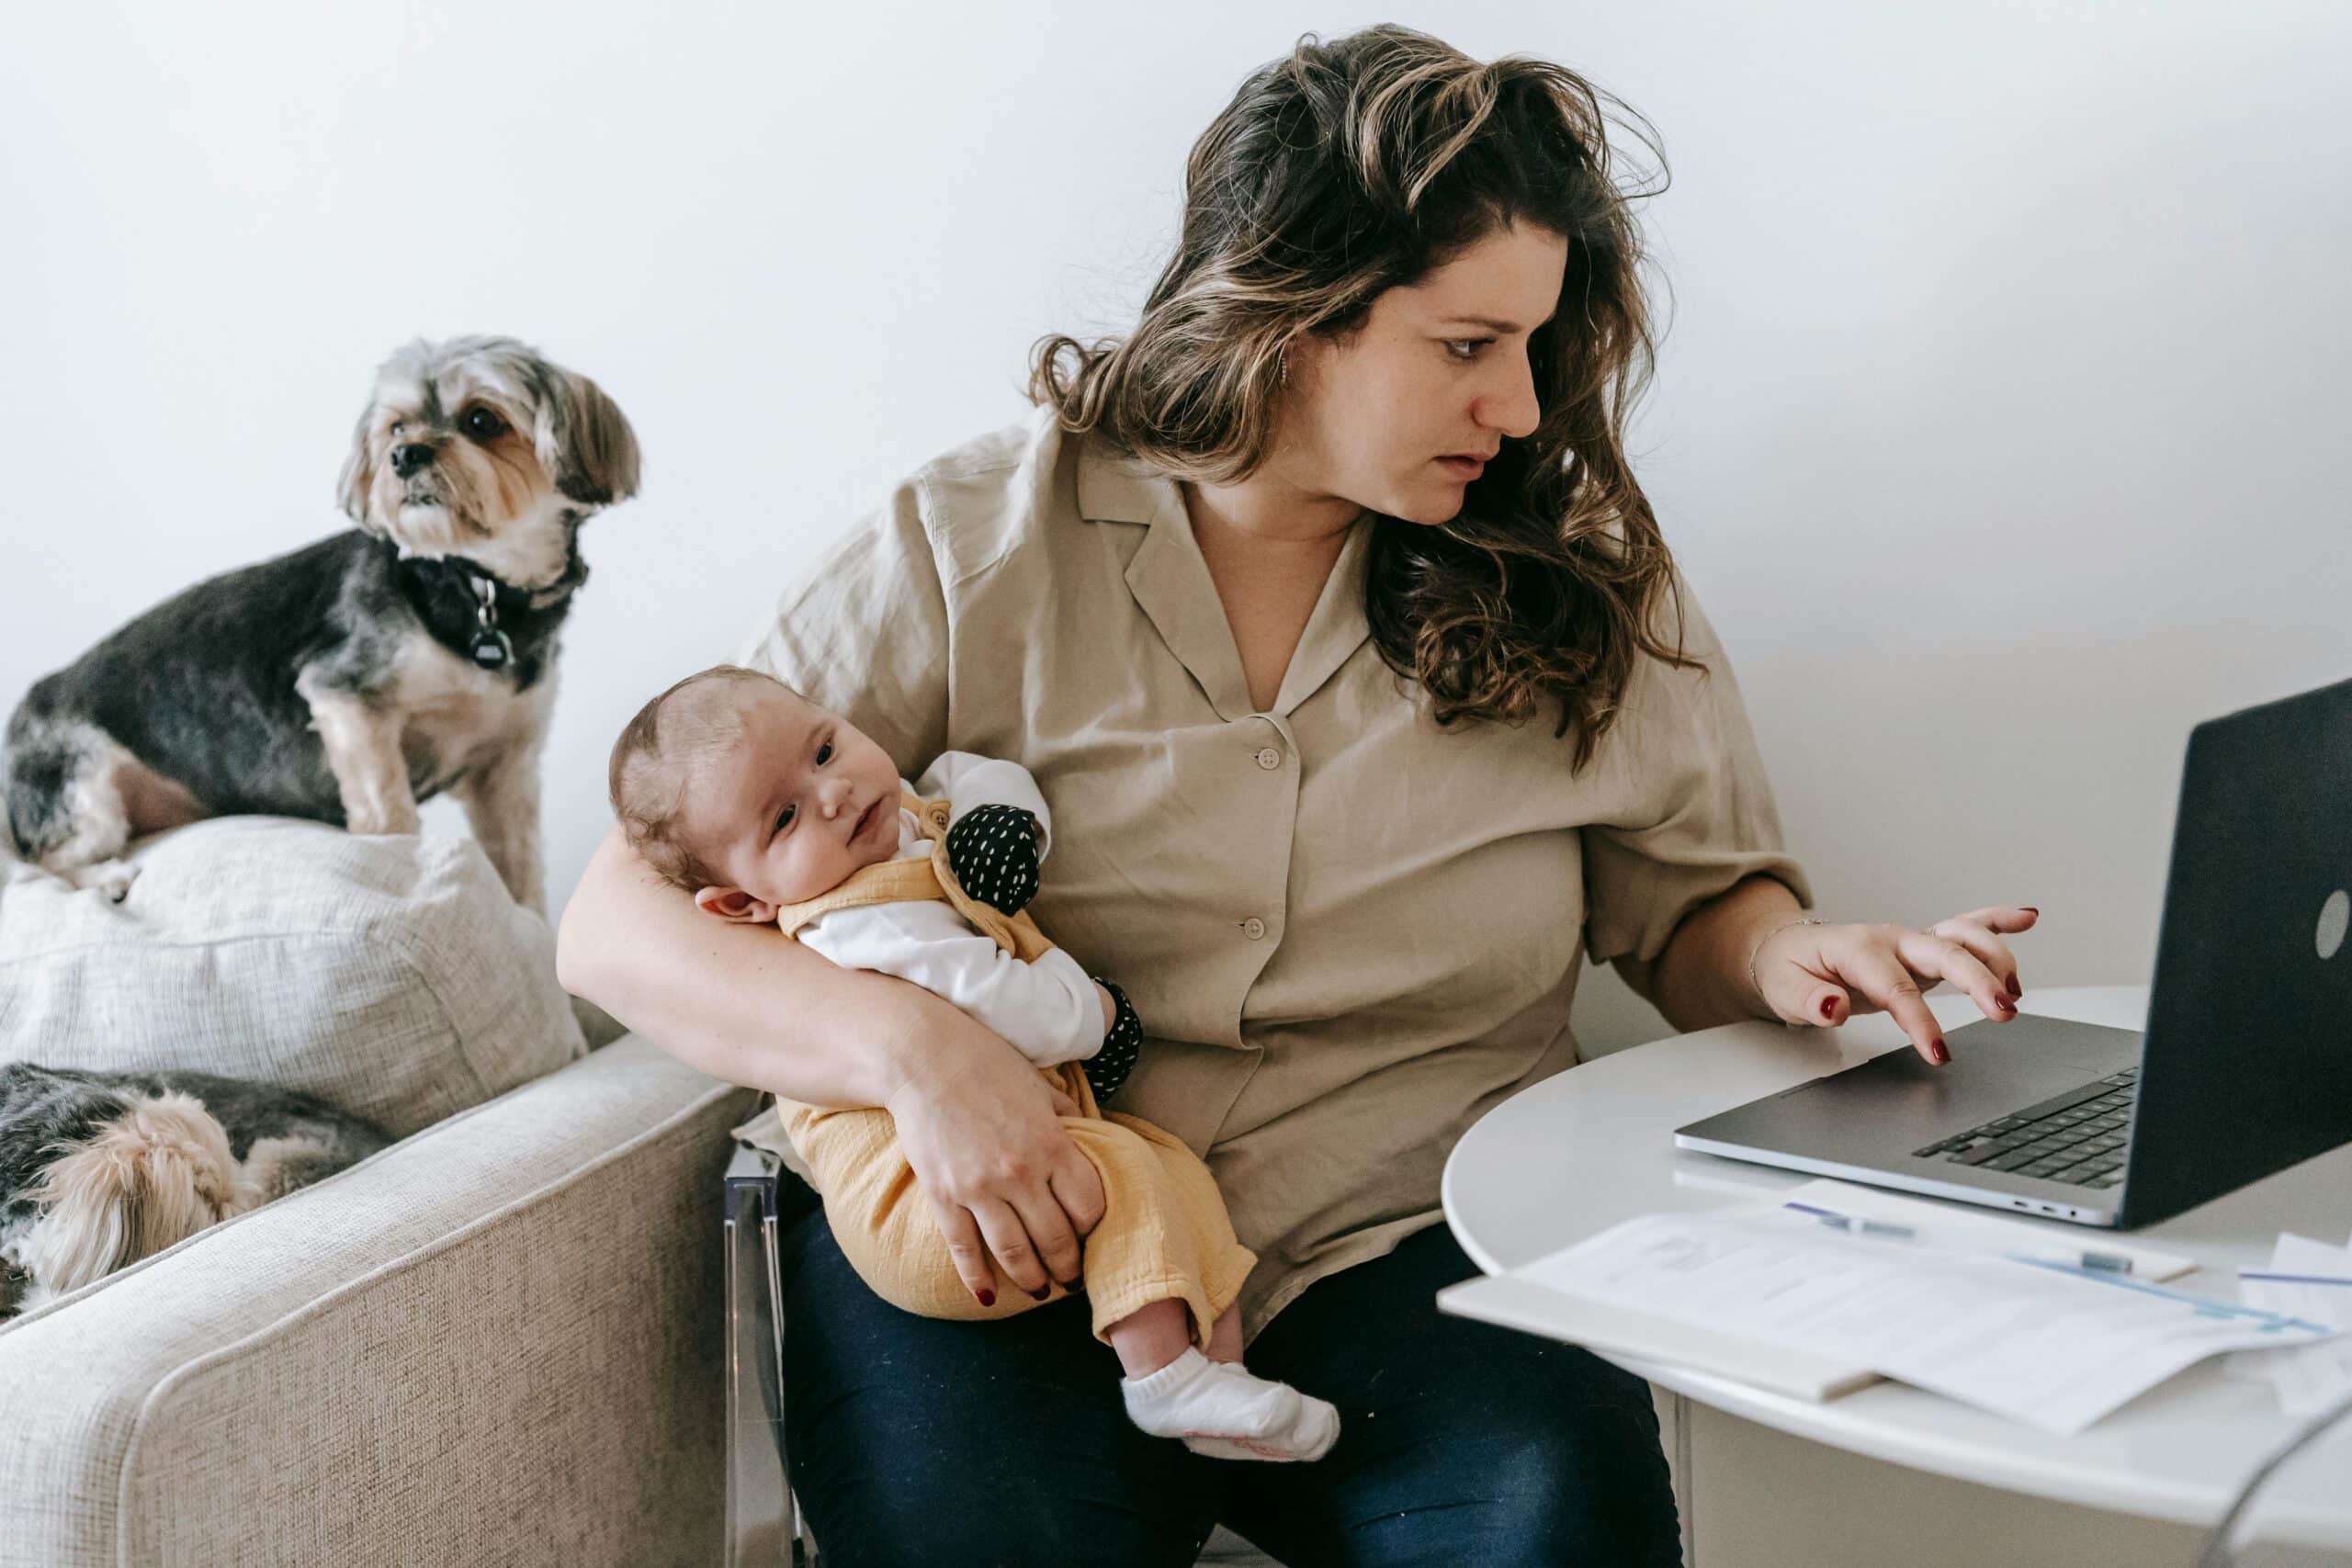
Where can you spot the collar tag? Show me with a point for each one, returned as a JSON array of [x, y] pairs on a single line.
[[491, 648]]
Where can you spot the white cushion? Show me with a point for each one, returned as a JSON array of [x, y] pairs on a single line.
[[391, 975]]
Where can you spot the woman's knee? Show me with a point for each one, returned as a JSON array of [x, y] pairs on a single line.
[[1571, 1467], [1594, 1491]]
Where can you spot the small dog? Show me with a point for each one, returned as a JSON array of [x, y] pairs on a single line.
[[348, 681], [98, 1170]]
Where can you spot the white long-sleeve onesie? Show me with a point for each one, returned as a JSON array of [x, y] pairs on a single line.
[[1049, 1010]]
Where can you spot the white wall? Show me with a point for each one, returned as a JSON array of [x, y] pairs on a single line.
[[2000, 425]]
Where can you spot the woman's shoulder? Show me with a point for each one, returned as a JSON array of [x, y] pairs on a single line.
[[982, 501]]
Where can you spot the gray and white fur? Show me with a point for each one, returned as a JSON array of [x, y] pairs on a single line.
[[98, 1170], [351, 679]]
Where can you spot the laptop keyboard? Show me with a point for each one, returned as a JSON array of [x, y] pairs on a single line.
[[2076, 1137]]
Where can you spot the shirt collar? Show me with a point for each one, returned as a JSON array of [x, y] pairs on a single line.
[[1172, 585], [1115, 488]]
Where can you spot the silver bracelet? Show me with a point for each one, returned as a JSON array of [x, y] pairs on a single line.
[[1753, 983]]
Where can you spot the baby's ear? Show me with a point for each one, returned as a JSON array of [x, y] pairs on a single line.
[[734, 904]]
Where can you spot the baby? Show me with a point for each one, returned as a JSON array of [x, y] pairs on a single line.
[[770, 809]]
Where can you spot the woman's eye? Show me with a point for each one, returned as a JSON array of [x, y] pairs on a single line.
[[481, 424], [1467, 347], [824, 753], [784, 817]]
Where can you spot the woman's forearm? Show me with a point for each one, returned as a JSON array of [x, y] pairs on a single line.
[[1700, 980], [737, 1002]]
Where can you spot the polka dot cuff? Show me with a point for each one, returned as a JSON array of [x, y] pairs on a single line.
[[993, 851], [1109, 1067]]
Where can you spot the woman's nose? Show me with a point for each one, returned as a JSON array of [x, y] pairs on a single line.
[[1511, 408]]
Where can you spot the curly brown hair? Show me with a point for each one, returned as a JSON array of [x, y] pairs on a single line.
[[1356, 166]]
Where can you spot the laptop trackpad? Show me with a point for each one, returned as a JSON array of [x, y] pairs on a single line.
[[1898, 1100]]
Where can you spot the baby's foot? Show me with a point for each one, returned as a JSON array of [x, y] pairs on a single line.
[[1223, 1412]]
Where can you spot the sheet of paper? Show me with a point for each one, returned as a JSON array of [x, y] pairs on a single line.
[[2055, 1348], [2311, 1280]]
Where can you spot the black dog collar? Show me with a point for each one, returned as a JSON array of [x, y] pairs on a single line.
[[483, 616]]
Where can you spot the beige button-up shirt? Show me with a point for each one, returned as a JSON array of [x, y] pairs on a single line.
[[1348, 932]]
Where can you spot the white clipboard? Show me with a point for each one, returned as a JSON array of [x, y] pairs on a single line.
[[1512, 1302]]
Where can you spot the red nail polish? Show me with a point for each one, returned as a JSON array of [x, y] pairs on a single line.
[[987, 1298], [1830, 1007], [1040, 1295], [1937, 1053]]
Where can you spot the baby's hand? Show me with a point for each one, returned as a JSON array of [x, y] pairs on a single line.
[[992, 850]]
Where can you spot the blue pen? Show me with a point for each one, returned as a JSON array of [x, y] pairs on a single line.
[[1882, 1230]]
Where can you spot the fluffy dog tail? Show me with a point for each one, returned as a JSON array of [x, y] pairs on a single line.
[[155, 1176]]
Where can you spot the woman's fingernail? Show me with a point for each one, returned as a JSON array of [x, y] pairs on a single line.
[[987, 1298], [1937, 1054], [2028, 909], [1042, 1294]]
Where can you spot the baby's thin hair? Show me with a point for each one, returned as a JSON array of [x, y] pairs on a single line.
[[694, 720]]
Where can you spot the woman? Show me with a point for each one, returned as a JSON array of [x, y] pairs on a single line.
[[1329, 617]]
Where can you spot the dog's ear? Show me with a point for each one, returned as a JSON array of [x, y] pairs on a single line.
[[358, 475], [584, 440]]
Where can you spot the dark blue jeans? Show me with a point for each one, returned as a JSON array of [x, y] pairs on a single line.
[[916, 1442]]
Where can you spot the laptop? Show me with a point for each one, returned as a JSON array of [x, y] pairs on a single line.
[[2245, 1065]]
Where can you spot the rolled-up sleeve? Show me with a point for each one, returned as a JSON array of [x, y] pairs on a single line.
[[863, 633], [1696, 814]]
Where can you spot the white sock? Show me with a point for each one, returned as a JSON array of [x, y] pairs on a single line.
[[1222, 1410]]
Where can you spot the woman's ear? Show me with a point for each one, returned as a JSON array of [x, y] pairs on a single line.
[[734, 904]]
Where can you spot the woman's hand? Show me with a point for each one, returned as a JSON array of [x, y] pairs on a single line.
[[1002, 1175], [1819, 974]]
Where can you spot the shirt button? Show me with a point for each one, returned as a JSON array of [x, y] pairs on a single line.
[[1268, 758], [1253, 928]]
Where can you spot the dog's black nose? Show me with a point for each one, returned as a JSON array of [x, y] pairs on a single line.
[[409, 456]]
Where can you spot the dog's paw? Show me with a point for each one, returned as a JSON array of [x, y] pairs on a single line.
[[110, 879], [113, 879]]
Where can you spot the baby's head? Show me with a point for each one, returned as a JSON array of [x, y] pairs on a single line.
[[739, 790]]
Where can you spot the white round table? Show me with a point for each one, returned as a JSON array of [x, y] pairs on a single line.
[[1588, 1148]]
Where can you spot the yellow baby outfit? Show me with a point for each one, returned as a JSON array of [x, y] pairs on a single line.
[[1164, 1231]]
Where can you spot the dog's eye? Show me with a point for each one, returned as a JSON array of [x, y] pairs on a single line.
[[481, 424]]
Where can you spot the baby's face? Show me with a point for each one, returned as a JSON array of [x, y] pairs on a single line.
[[800, 802]]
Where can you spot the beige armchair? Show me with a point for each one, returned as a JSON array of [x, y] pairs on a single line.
[[492, 1343]]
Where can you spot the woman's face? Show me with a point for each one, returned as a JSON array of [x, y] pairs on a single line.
[[1399, 416]]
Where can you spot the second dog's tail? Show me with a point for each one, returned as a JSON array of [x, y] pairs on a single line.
[[155, 1176]]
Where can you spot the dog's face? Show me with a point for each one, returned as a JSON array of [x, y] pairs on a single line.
[[478, 447]]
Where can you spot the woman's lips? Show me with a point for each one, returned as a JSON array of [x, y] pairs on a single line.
[[1463, 468]]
